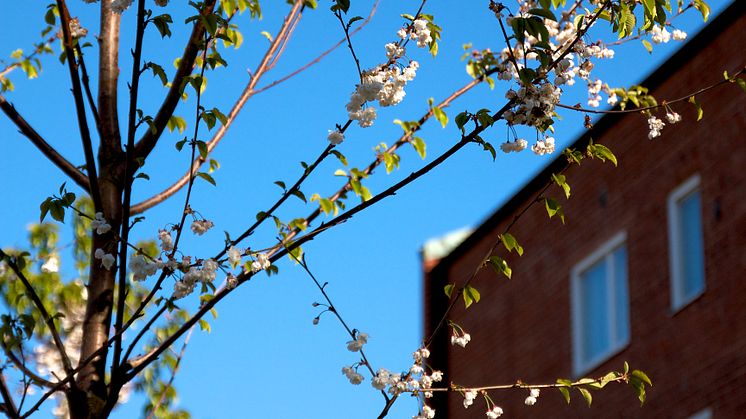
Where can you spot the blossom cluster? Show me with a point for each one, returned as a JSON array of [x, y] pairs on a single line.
[[419, 32], [100, 224], [195, 274], [382, 84]]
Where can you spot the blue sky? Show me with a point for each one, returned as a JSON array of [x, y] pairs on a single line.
[[264, 358]]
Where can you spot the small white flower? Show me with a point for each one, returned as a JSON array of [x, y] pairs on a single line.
[[234, 256], [107, 259], [678, 35], [495, 413], [357, 344], [545, 146], [182, 289], [167, 243], [393, 51], [655, 125], [52, 265], [352, 375], [673, 117], [99, 224], [199, 227], [261, 263], [514, 146], [335, 137], [532, 397], [469, 397]]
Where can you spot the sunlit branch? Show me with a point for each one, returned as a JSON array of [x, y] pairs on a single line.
[[49, 152], [663, 103], [85, 134], [248, 91], [147, 142]]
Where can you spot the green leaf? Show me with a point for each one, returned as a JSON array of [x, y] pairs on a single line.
[[176, 122], [500, 266], [204, 325], [543, 13], [280, 183], [561, 181], [180, 144], [511, 243], [461, 120], [647, 46], [642, 376], [554, 208], [586, 395], [626, 367], [202, 146], [703, 8], [565, 393], [698, 106], [206, 177], [449, 289], [299, 195], [742, 83], [44, 207], [471, 295], [441, 116], [419, 146], [601, 152], [161, 23], [57, 211]]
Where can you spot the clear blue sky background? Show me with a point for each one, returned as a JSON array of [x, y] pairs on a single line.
[[264, 358]]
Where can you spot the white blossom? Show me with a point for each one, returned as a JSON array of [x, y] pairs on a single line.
[[469, 397], [461, 341], [514, 146], [673, 117], [545, 146], [352, 375], [427, 412], [421, 33], [199, 227], [261, 263], [532, 397], [107, 259], [335, 137], [182, 289], [660, 35], [51, 265], [678, 35], [167, 243], [393, 51], [141, 268], [495, 413], [356, 344], [99, 224], [234, 256], [655, 125]]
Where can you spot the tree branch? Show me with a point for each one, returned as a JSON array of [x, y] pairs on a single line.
[[248, 92], [23, 368], [147, 142], [49, 152], [9, 406], [49, 320], [85, 134]]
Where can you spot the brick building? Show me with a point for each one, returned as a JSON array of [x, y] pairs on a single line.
[[650, 267]]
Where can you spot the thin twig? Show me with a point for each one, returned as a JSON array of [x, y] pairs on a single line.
[[173, 374], [10, 406], [85, 134], [247, 93]]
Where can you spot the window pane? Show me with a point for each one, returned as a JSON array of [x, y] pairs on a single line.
[[595, 314], [692, 256], [621, 305]]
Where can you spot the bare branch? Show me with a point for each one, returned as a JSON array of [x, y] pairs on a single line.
[[49, 152], [79, 105], [147, 142], [248, 91]]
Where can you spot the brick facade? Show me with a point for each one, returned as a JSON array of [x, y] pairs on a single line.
[[696, 357]]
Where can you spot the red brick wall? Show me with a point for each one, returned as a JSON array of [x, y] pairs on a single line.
[[695, 357]]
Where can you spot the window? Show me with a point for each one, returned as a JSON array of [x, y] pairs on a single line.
[[600, 305], [685, 243]]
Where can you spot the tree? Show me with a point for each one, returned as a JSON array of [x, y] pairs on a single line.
[[88, 346]]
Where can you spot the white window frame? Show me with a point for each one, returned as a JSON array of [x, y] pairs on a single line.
[[678, 299], [603, 253]]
